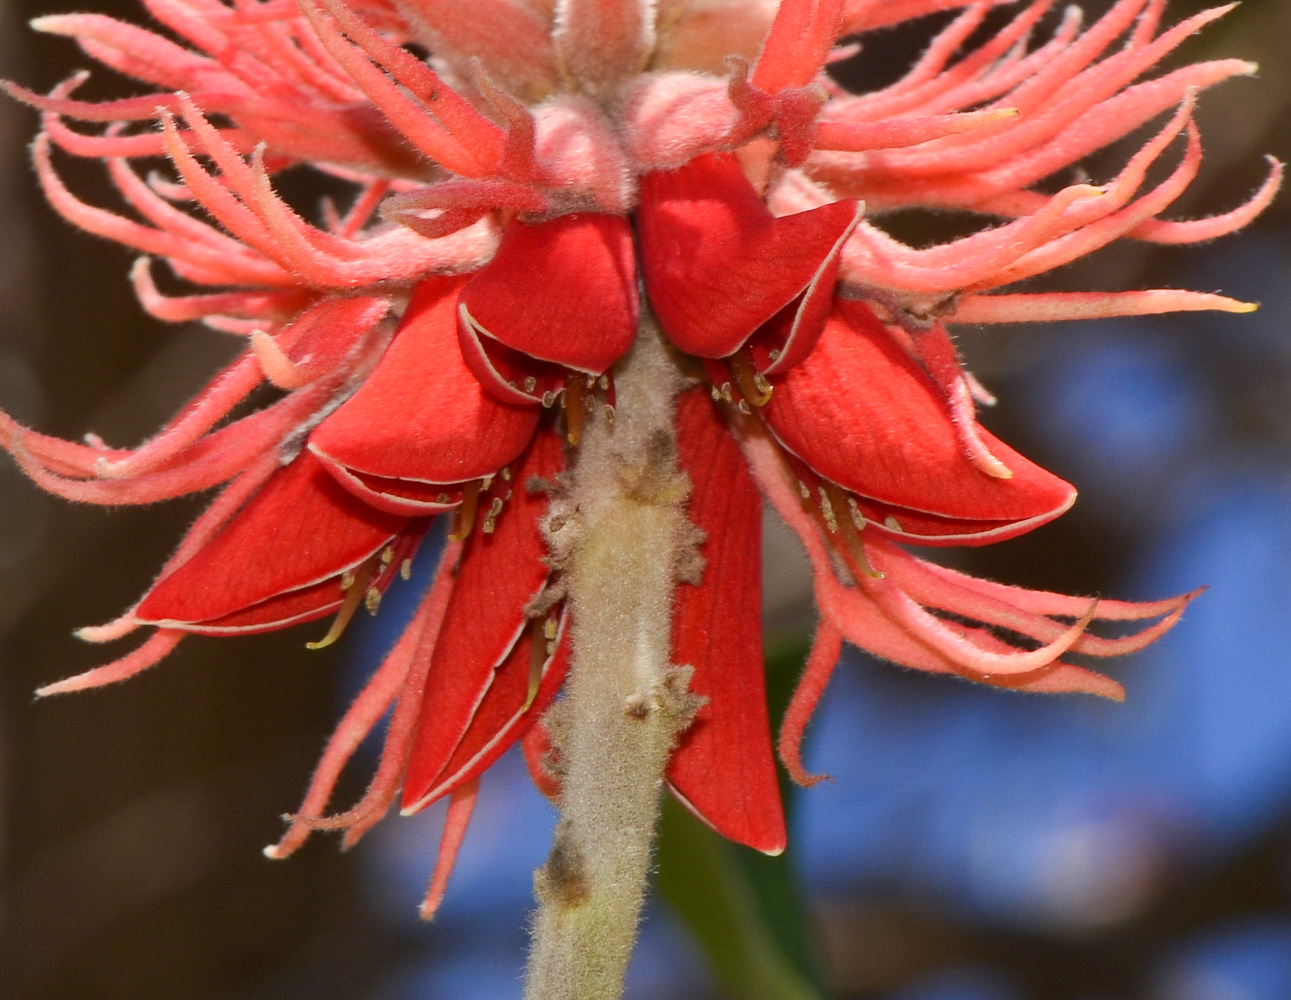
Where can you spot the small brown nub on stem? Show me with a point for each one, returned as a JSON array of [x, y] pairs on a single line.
[[563, 879]]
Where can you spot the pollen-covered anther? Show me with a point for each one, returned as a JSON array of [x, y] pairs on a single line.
[[827, 511], [491, 516], [833, 501]]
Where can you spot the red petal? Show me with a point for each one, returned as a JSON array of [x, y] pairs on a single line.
[[421, 416], [563, 291], [717, 264], [506, 710], [479, 672], [724, 769], [277, 560], [861, 413]]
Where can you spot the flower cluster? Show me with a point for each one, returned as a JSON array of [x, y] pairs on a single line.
[[556, 177]]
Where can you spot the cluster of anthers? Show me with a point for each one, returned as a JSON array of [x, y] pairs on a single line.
[[533, 183]]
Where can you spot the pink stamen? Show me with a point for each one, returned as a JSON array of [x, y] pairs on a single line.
[[825, 650], [461, 803], [147, 655]]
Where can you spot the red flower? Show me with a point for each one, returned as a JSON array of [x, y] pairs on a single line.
[[439, 345]]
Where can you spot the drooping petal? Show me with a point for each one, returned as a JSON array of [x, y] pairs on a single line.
[[521, 688], [706, 237], [278, 561], [562, 291], [480, 679], [862, 414], [421, 425], [724, 769]]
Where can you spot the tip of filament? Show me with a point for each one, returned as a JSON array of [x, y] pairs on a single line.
[[108, 632], [279, 369], [992, 466]]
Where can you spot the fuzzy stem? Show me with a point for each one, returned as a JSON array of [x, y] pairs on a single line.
[[618, 532]]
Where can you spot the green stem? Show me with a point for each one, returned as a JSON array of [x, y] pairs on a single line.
[[618, 531]]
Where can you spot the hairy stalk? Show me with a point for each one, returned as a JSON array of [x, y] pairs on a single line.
[[619, 530]]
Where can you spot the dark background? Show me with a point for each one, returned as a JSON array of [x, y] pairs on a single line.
[[131, 819]]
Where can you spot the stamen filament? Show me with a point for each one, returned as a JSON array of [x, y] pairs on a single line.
[[464, 516], [572, 400], [753, 385], [355, 585]]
